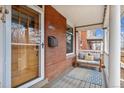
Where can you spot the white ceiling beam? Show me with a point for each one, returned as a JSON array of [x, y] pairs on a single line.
[[89, 27]]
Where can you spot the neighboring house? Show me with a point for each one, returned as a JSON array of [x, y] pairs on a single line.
[[91, 40], [83, 40]]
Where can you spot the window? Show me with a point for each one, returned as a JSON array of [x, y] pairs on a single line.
[[69, 40]]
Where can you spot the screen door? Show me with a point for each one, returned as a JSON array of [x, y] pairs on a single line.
[[25, 45]]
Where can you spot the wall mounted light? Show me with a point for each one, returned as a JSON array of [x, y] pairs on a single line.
[[51, 27], [3, 11]]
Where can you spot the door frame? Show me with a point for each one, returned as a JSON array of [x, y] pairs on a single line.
[[7, 40], [1, 49]]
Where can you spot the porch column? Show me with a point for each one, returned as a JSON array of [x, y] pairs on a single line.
[[114, 47]]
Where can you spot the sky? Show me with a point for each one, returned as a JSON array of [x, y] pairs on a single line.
[[99, 32], [122, 24]]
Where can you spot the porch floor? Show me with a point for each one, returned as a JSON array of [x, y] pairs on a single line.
[[79, 78]]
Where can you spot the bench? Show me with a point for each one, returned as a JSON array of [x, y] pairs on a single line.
[[95, 62]]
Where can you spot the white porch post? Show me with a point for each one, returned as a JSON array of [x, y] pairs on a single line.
[[114, 47], [77, 43], [1, 50]]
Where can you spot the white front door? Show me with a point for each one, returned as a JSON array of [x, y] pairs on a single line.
[[24, 46]]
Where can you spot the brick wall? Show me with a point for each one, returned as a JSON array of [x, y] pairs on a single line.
[[55, 58], [84, 40]]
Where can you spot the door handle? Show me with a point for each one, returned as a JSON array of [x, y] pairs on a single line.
[[42, 45]]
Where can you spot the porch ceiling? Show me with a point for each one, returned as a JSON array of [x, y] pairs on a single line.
[[82, 15]]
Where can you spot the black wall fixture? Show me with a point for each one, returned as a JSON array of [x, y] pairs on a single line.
[[52, 41]]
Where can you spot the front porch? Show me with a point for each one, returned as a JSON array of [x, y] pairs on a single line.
[[43, 40]]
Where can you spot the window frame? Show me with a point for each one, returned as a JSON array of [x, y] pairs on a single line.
[[72, 53]]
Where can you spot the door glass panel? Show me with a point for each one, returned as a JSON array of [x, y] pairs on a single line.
[[26, 38]]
